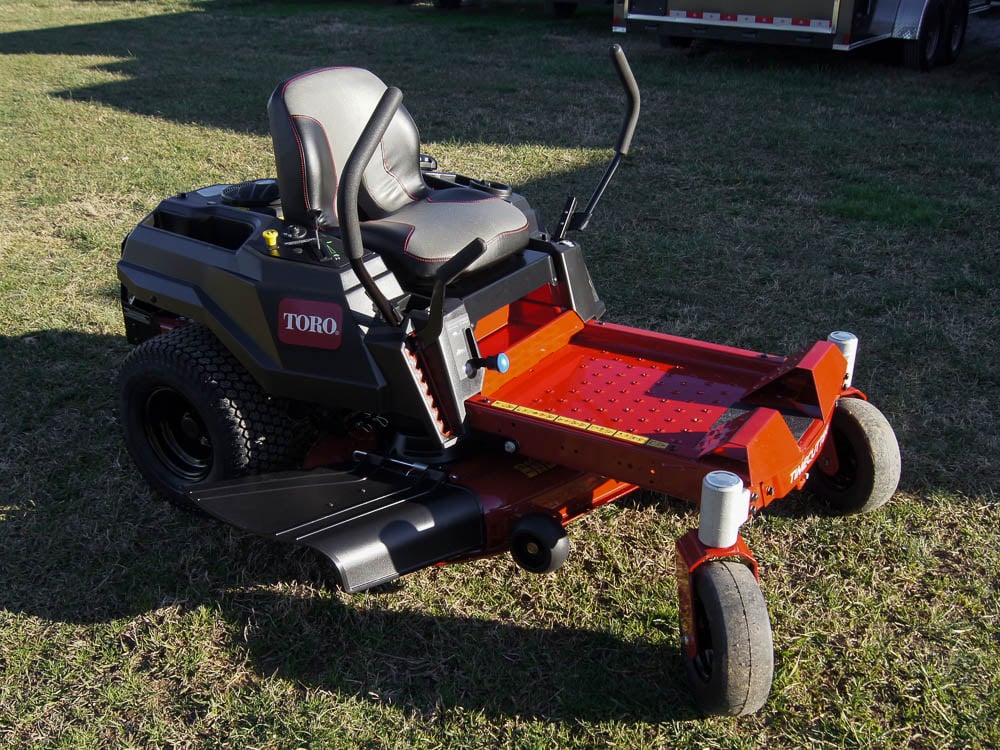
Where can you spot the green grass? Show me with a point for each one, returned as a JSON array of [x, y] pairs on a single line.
[[887, 205], [772, 196]]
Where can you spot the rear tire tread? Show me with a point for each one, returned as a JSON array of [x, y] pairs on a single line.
[[255, 431]]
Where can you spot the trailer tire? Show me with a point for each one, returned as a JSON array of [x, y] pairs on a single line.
[[956, 24], [924, 52], [732, 672], [192, 414], [868, 460]]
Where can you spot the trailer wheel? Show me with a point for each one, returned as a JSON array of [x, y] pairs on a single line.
[[867, 458], [538, 543], [732, 671], [924, 52], [192, 414], [956, 23]]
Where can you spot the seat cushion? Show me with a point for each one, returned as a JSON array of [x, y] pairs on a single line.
[[417, 238]]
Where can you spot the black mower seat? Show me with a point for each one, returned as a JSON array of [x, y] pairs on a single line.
[[317, 117]]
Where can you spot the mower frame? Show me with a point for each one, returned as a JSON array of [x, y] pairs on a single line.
[[286, 381]]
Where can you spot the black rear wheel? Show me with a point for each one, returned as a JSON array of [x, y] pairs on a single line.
[[177, 434], [192, 414], [732, 671]]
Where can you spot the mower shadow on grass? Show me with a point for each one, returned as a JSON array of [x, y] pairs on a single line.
[[428, 662], [82, 542]]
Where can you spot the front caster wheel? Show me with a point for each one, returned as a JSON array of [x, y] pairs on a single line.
[[858, 470], [732, 671], [538, 543]]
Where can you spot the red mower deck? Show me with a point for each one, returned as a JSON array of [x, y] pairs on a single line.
[[658, 411]]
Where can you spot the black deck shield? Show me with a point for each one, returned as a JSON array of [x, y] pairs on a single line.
[[373, 523]]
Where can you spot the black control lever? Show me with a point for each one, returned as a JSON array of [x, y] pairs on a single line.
[[314, 214], [571, 219], [347, 197], [444, 276]]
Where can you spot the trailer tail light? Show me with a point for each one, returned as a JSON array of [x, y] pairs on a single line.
[[749, 20]]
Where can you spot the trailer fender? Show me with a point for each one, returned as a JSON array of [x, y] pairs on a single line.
[[910, 19]]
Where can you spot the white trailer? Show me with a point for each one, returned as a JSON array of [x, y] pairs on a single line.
[[933, 31]]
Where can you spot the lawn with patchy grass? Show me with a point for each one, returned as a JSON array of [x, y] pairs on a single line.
[[772, 196]]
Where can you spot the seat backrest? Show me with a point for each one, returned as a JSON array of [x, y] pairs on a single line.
[[316, 118]]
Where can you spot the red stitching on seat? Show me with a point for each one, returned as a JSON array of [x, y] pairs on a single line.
[[409, 235], [333, 164], [308, 73], [385, 166], [302, 155], [406, 242], [511, 231]]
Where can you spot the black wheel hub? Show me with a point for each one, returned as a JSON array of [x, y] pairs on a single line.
[[846, 473], [703, 660], [703, 664], [177, 435]]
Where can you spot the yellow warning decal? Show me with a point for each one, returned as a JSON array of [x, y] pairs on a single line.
[[609, 431], [581, 425], [535, 413], [637, 439]]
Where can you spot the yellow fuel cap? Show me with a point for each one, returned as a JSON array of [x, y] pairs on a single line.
[[271, 238]]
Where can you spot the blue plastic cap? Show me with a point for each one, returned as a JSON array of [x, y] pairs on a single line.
[[503, 363]]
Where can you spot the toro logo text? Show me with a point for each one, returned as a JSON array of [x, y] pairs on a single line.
[[303, 322]]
